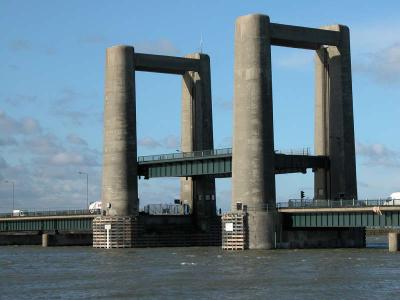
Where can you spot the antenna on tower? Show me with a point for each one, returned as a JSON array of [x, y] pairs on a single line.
[[201, 42]]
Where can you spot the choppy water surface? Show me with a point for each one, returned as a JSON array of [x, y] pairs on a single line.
[[187, 273]]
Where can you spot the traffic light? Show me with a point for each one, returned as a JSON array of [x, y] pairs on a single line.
[[302, 194]]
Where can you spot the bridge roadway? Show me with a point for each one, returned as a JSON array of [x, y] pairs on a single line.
[[49, 221], [218, 163], [295, 214]]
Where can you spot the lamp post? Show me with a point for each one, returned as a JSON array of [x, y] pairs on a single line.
[[87, 187], [13, 192]]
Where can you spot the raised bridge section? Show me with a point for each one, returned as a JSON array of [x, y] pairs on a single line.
[[218, 163]]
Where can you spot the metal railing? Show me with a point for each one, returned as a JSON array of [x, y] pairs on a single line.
[[48, 213], [314, 203], [183, 155], [303, 151], [212, 152], [164, 209]]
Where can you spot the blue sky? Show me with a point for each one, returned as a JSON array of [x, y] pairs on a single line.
[[51, 90]]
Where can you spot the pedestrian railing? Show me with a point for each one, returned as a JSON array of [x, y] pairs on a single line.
[[212, 152], [337, 203], [184, 155]]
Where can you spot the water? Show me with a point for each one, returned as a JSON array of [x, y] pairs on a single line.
[[199, 273]]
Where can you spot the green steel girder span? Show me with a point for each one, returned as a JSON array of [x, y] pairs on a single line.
[[342, 219], [316, 219], [220, 165], [72, 224]]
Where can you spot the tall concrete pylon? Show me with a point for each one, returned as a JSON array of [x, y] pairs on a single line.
[[334, 122], [120, 186], [197, 134], [253, 174]]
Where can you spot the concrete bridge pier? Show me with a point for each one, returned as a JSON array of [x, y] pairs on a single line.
[[45, 240], [253, 174], [197, 134], [120, 186], [394, 241]]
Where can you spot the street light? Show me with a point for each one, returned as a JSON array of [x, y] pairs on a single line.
[[13, 193], [87, 187]]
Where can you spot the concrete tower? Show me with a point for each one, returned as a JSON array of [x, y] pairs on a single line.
[[334, 124], [197, 134], [120, 187], [253, 175]]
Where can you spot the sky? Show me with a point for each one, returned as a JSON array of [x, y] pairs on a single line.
[[52, 57]]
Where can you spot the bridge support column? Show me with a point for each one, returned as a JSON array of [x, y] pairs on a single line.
[[120, 192], [334, 124], [45, 240], [253, 174], [120, 186], [197, 134], [394, 241]]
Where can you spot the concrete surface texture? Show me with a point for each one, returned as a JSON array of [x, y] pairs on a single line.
[[334, 124], [253, 176], [45, 240], [394, 241], [197, 134], [120, 187]]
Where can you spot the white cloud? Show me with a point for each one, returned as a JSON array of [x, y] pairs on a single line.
[[25, 126], [68, 106], [30, 125], [148, 142], [43, 144], [378, 155], [171, 142], [382, 65], [65, 158]]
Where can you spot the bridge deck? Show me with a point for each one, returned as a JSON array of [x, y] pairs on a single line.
[[295, 213], [218, 163]]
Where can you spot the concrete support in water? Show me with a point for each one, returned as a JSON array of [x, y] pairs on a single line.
[[120, 187], [253, 175], [334, 124], [394, 241], [197, 134], [45, 240]]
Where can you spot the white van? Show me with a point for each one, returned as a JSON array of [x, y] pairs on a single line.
[[393, 200], [17, 213]]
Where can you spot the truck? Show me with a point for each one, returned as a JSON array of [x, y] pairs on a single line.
[[17, 213], [95, 207], [393, 200]]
